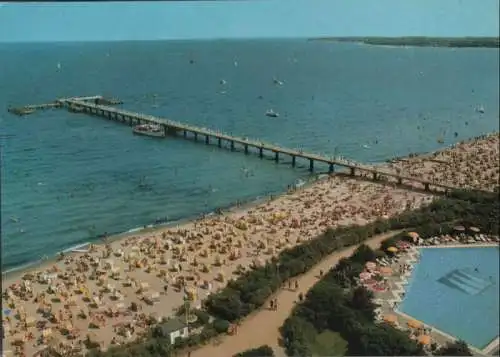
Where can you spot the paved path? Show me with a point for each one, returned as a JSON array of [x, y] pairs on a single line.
[[262, 327]]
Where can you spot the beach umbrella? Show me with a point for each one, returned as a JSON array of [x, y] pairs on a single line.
[[30, 321], [386, 271], [414, 324], [365, 275], [402, 244], [190, 294], [392, 249], [459, 228], [390, 319], [474, 229], [19, 339], [424, 339], [370, 265], [413, 235]]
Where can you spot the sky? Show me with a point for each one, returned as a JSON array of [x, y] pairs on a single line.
[[121, 21]]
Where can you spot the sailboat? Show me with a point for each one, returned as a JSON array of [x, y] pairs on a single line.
[[271, 113]]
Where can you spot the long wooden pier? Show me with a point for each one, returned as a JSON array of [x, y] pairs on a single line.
[[92, 105]]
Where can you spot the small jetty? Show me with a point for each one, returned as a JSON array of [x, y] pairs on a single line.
[[30, 109], [101, 107]]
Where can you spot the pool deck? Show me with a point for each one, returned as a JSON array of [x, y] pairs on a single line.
[[390, 299], [459, 245], [492, 346]]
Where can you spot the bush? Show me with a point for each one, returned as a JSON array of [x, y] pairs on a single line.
[[457, 348], [207, 333], [262, 351], [297, 334], [221, 326], [203, 316]]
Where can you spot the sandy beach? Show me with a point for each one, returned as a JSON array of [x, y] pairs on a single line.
[[58, 301], [468, 164]]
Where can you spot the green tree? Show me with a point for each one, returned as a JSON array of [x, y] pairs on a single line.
[[297, 334], [363, 254], [362, 301], [457, 348], [383, 340], [262, 351]]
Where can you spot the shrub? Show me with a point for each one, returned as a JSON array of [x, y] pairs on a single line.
[[262, 351], [221, 326]]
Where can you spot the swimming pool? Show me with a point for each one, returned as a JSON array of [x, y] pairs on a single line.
[[455, 290]]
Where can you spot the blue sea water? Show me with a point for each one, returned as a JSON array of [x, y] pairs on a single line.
[[456, 291], [67, 178]]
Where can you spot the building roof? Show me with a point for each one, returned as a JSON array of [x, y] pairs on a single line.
[[172, 325]]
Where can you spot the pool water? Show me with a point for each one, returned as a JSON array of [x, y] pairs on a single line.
[[455, 290]]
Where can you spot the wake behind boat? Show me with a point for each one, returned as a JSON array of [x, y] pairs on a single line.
[[149, 130]]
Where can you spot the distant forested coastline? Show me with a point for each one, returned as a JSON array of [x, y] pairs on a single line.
[[485, 42]]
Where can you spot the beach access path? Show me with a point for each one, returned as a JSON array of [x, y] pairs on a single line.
[[262, 327]]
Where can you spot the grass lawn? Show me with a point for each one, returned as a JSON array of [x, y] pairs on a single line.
[[329, 343]]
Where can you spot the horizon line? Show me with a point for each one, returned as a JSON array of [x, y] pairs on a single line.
[[255, 38]]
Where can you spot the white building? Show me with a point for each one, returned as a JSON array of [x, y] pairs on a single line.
[[174, 328]]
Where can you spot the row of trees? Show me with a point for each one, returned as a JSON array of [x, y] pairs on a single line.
[[488, 42], [251, 290]]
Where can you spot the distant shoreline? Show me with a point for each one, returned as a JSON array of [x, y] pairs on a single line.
[[420, 41]]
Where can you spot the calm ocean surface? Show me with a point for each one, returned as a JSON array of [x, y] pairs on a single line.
[[67, 178]]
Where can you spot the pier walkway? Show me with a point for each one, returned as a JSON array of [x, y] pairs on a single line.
[[89, 105]]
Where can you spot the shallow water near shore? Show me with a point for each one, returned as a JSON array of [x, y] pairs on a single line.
[[67, 178]]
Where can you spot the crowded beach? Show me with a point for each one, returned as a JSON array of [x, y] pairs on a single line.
[[113, 292], [468, 164]]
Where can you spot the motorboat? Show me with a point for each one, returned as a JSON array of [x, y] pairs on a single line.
[[271, 113], [277, 82], [149, 130]]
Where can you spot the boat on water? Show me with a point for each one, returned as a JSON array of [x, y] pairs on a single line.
[[149, 130], [480, 109], [277, 81], [271, 113]]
